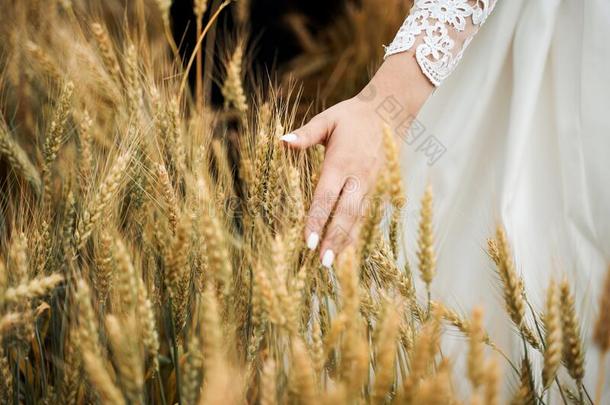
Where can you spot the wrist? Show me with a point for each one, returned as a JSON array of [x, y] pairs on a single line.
[[396, 93], [402, 76], [400, 80]]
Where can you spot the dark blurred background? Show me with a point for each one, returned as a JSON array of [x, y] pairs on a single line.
[[272, 42]]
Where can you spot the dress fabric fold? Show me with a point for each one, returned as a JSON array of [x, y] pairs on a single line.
[[525, 124]]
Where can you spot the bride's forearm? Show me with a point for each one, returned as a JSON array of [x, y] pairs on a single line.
[[398, 89], [400, 76]]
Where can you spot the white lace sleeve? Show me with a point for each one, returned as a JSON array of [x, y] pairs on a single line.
[[440, 31]]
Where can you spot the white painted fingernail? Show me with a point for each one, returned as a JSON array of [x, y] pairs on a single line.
[[312, 240], [289, 138], [328, 258]]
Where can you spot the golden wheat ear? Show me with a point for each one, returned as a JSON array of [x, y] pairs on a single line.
[[553, 337], [386, 336], [108, 55], [573, 352], [100, 379], [102, 201], [425, 242], [6, 393], [18, 158], [233, 88], [55, 135], [601, 335], [395, 189], [512, 286], [31, 289], [475, 357]]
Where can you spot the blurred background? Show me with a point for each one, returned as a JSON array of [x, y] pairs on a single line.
[[308, 43]]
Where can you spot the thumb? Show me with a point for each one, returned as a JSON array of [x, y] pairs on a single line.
[[315, 131]]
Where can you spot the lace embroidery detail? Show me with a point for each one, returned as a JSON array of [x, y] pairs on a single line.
[[435, 21]]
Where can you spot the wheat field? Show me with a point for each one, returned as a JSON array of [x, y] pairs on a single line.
[[151, 244]]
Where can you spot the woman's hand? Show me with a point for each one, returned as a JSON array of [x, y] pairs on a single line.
[[351, 133]]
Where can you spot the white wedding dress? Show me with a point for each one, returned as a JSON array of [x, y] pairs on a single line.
[[522, 124]]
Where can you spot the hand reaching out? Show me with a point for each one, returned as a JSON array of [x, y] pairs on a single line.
[[351, 133]]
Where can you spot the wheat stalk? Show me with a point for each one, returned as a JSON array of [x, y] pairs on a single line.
[[164, 7], [232, 88], [86, 157], [109, 58], [526, 392], [126, 279], [573, 355], [268, 383], [435, 389], [370, 226], [243, 11], [3, 277], [395, 189], [148, 322], [199, 8], [103, 273], [302, 374], [127, 355], [386, 351], [44, 61], [553, 338], [169, 196], [422, 355], [492, 383], [216, 250], [177, 273], [102, 200], [273, 186], [72, 361], [9, 321], [317, 347], [212, 347], [101, 380], [269, 303], [19, 258], [18, 159], [31, 289], [57, 131], [88, 323], [191, 372], [261, 162], [475, 358], [513, 290], [6, 380], [131, 81], [425, 243], [601, 335]]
